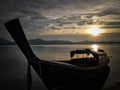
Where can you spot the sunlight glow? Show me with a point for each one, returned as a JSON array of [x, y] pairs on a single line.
[[95, 47], [95, 30]]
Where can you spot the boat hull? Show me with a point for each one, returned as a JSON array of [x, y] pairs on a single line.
[[66, 77]]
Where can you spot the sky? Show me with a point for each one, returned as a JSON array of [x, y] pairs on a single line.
[[74, 20]]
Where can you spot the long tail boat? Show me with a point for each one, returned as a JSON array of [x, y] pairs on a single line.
[[86, 70]]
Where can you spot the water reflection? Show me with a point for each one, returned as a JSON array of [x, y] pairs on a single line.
[[95, 47]]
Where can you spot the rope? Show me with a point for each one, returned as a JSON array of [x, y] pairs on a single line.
[[29, 77], [40, 70]]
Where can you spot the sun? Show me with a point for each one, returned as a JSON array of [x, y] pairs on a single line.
[[95, 30]]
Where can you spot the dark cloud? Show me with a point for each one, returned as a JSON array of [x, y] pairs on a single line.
[[111, 34], [81, 23], [113, 23], [109, 12], [55, 28], [38, 16], [69, 27], [111, 27]]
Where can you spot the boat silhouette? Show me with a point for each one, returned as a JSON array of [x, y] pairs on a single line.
[[75, 74]]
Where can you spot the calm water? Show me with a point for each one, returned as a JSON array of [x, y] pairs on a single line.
[[13, 64]]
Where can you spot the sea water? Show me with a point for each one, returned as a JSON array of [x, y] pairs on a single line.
[[13, 64]]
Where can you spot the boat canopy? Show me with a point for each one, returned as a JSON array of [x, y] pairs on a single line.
[[85, 51]]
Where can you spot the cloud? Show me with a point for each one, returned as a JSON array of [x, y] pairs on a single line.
[[113, 23], [44, 16], [109, 12], [55, 28]]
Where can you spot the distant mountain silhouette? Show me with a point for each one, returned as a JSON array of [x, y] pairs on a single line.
[[51, 42], [55, 42], [5, 42], [41, 41], [98, 42]]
